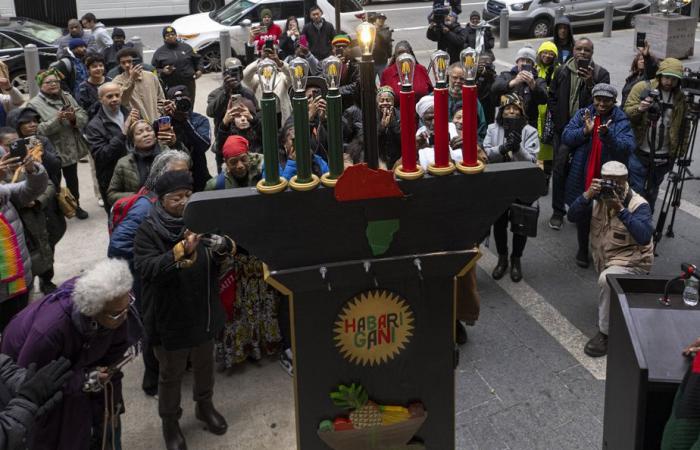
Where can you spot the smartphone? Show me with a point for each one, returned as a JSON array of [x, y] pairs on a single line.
[[270, 44], [263, 30], [583, 63], [18, 149], [527, 67], [164, 123], [641, 37]]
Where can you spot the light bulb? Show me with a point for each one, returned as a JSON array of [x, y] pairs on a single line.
[[439, 62], [365, 37], [470, 62], [299, 68], [406, 64], [267, 74], [331, 71]]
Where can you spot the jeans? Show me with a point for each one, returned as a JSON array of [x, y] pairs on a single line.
[[638, 172], [173, 364], [560, 161]]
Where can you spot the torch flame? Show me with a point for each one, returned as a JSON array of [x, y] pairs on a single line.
[[441, 63], [267, 72], [332, 70], [405, 68], [298, 72]]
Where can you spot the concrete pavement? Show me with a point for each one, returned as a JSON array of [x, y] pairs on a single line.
[[518, 386]]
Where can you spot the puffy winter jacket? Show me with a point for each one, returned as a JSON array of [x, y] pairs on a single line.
[[16, 413], [18, 195], [532, 98], [495, 137], [618, 145]]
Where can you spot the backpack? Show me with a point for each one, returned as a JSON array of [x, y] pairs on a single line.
[[220, 181], [122, 206]]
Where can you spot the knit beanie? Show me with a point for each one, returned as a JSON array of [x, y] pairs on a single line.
[[172, 181], [341, 39], [234, 146], [76, 42], [512, 99], [265, 12], [548, 46], [526, 52], [168, 29]]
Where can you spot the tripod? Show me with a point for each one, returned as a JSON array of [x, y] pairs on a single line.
[[678, 177]]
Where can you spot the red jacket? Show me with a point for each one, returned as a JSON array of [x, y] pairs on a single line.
[[421, 82]]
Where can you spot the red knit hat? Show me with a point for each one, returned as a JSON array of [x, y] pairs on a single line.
[[235, 146]]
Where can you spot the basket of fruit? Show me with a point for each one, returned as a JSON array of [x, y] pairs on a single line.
[[369, 425]]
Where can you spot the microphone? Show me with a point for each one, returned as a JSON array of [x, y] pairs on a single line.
[[689, 270]]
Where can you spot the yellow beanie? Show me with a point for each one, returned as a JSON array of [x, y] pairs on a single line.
[[548, 46]]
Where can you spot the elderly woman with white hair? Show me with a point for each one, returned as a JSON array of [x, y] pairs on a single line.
[[85, 321]]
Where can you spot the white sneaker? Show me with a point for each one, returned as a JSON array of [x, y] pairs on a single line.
[[101, 203]]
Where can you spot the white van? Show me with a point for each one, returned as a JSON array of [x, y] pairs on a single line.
[[536, 17]]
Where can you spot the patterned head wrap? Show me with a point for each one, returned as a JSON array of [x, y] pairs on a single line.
[[41, 76]]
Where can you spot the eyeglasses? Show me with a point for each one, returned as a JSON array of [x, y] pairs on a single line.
[[125, 311], [51, 82]]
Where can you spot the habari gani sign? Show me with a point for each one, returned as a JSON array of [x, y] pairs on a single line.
[[373, 327]]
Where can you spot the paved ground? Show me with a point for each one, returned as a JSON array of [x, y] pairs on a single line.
[[522, 381]]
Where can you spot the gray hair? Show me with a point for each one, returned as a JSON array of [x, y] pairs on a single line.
[[105, 86], [107, 280], [161, 163]]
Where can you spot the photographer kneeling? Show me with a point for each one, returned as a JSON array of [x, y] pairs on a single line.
[[656, 110], [621, 231]]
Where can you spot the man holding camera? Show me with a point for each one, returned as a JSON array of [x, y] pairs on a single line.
[[621, 231], [446, 31], [656, 110], [192, 131], [570, 90]]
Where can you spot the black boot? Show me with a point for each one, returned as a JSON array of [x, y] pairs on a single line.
[[582, 258], [214, 421], [597, 346], [516, 273], [500, 268], [81, 214], [461, 333], [174, 440]]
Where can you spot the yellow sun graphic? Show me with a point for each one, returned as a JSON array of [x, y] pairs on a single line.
[[373, 327]]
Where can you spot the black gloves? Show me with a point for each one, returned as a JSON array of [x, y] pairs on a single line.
[[43, 387]]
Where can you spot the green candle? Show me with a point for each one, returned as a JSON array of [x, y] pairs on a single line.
[[269, 139], [335, 137], [300, 109]]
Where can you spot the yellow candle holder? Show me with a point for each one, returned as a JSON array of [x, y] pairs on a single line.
[[441, 171], [294, 184], [471, 169], [419, 172], [265, 189], [327, 181]]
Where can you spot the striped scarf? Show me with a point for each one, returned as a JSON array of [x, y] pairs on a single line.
[[11, 266]]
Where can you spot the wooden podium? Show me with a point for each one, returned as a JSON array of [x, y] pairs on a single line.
[[371, 288], [645, 364]]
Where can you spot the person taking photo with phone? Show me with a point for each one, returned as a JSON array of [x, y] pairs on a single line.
[[522, 80], [571, 89], [596, 134], [141, 89]]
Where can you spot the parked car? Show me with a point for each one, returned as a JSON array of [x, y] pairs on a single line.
[[201, 31], [536, 17], [15, 33]]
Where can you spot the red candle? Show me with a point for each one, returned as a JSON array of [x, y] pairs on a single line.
[[442, 138], [469, 125], [408, 131]]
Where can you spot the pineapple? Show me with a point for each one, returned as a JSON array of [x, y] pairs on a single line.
[[363, 413]]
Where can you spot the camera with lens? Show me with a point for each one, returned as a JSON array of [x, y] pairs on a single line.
[[607, 189], [654, 111], [182, 103], [439, 13], [233, 72], [690, 80]]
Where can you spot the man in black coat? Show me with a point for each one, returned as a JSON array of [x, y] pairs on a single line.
[[473, 27], [573, 80], [106, 135], [319, 33], [182, 312], [522, 80], [449, 35], [176, 62]]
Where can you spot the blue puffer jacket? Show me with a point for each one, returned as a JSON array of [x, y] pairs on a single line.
[[618, 145], [121, 242]]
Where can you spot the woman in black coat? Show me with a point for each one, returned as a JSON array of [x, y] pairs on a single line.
[[181, 308]]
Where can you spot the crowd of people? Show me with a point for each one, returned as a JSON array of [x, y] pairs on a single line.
[[199, 301]]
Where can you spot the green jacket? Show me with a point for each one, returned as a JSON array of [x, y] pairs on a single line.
[[638, 119], [254, 175], [68, 140], [125, 179]]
